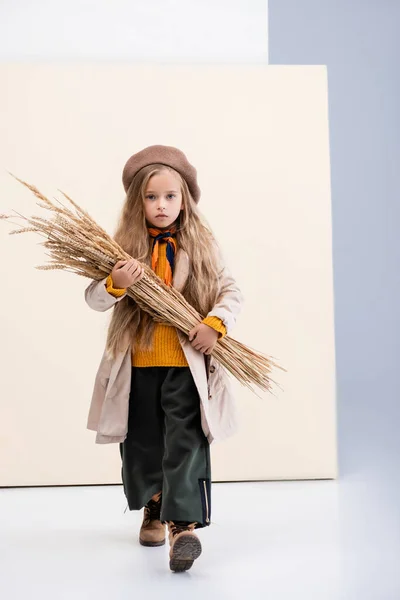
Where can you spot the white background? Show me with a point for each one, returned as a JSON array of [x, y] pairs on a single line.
[[181, 31]]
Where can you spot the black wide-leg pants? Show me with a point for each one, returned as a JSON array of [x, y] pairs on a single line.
[[165, 448]]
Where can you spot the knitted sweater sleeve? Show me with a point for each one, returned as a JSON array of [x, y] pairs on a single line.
[[216, 324], [112, 290]]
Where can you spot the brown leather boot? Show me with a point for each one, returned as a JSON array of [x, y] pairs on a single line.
[[152, 531], [185, 545]]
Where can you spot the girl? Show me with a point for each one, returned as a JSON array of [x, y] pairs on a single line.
[[157, 392]]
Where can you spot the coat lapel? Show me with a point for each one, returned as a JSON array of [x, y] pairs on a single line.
[[181, 270]]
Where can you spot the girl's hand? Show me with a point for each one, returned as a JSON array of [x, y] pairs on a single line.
[[203, 338], [126, 272]]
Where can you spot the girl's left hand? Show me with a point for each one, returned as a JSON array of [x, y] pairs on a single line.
[[203, 338]]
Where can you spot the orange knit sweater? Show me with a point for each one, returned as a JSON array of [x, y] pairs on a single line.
[[166, 350]]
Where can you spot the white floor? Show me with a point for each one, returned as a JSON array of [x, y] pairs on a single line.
[[322, 540]]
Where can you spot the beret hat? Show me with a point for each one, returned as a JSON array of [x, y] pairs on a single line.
[[166, 155]]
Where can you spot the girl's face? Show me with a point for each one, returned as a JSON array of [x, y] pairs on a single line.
[[162, 199]]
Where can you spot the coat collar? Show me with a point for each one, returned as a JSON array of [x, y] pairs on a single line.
[[181, 270]]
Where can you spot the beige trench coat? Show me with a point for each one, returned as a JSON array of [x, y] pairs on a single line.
[[108, 413]]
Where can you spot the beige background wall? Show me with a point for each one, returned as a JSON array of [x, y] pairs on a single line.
[[258, 137]]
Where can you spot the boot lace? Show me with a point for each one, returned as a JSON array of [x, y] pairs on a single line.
[[178, 526], [153, 510]]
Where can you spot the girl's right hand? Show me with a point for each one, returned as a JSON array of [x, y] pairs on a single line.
[[126, 272]]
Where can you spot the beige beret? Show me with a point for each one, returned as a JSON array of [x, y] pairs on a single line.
[[166, 155]]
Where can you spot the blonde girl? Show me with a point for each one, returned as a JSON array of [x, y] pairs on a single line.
[[159, 393]]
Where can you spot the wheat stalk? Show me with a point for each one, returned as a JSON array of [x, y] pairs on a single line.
[[77, 244]]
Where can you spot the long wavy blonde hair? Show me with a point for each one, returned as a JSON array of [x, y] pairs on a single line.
[[193, 235]]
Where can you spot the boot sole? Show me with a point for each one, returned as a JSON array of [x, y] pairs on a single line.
[[151, 544], [184, 553]]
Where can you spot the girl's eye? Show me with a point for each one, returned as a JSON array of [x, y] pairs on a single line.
[[173, 195]]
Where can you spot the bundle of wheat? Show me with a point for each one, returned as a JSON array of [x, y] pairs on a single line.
[[79, 245]]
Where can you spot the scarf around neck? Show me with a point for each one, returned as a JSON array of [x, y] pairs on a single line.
[[164, 236]]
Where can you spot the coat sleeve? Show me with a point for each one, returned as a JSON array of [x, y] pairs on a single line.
[[98, 298], [230, 301]]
